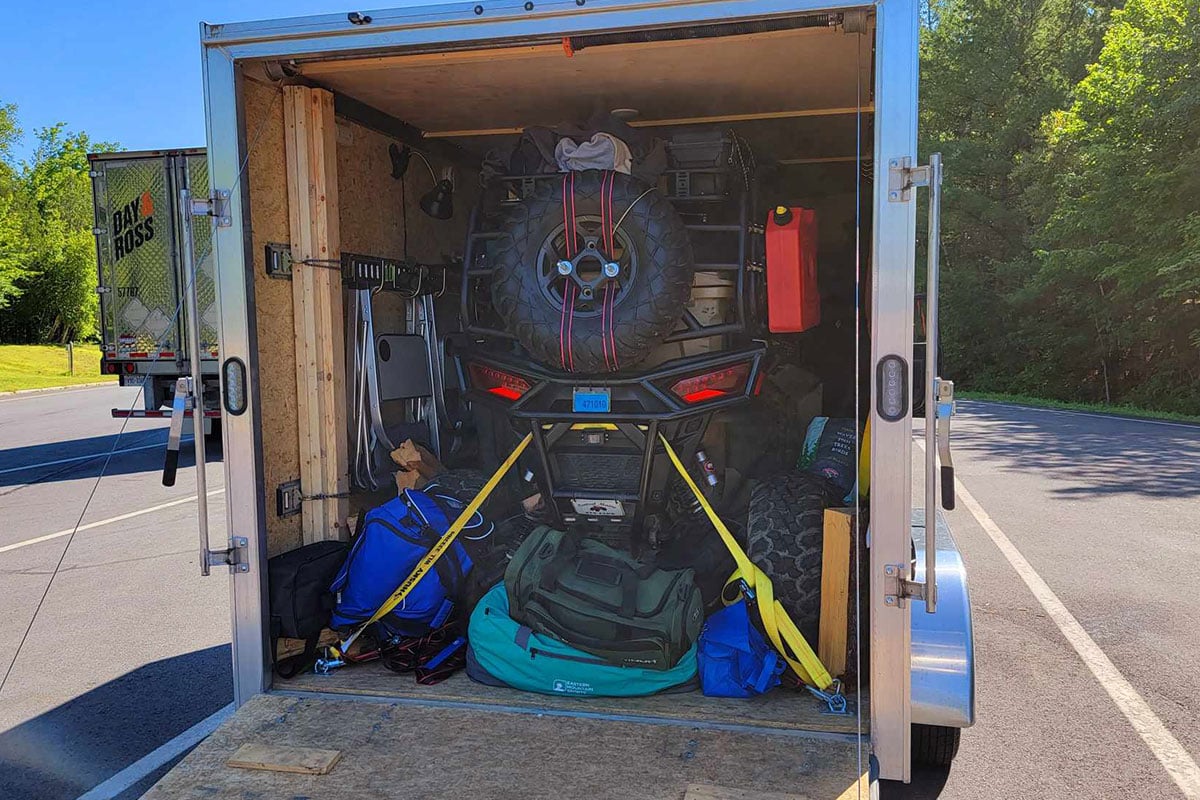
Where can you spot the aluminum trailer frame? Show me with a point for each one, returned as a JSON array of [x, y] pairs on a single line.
[[460, 25]]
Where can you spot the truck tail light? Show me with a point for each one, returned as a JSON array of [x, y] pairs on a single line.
[[130, 367], [497, 382], [112, 367], [724, 382]]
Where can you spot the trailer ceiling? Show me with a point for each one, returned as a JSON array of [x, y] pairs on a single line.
[[806, 72]]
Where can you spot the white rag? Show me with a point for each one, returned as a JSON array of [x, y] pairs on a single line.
[[602, 151]]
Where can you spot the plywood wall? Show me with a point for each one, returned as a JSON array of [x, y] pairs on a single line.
[[373, 205], [266, 173]]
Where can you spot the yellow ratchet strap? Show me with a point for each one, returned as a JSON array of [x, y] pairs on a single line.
[[443, 544], [779, 627]]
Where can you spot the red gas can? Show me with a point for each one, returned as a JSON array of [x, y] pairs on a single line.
[[793, 301]]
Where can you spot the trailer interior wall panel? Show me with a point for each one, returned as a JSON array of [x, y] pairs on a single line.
[[267, 173], [372, 223]]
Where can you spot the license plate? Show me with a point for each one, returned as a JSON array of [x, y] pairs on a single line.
[[587, 400], [599, 508]]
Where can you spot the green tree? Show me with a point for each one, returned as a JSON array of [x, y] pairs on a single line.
[[13, 251], [1120, 246], [58, 290], [990, 72]]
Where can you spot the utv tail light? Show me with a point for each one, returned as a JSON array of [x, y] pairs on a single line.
[[497, 382], [727, 382]]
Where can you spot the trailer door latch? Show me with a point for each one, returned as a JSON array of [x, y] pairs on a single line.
[[903, 177], [216, 206], [234, 557], [898, 587]]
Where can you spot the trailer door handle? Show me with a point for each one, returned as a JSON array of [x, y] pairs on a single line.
[[933, 176], [179, 408]]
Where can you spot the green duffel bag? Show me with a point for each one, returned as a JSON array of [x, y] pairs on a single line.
[[502, 652], [603, 601]]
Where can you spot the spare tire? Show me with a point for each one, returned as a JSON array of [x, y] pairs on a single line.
[[589, 320]]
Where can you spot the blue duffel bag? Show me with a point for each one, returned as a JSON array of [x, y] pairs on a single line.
[[735, 659], [394, 537]]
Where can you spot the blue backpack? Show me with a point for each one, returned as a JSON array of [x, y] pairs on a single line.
[[394, 537], [735, 660]]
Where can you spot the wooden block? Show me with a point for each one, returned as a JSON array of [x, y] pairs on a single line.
[[285, 647], [408, 479], [704, 791], [835, 589], [411, 456], [277, 758]]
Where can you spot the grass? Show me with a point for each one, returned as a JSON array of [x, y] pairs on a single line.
[[1096, 408], [41, 366]]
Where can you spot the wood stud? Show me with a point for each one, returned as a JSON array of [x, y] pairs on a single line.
[[311, 142]]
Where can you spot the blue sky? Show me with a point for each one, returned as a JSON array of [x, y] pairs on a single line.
[[121, 70]]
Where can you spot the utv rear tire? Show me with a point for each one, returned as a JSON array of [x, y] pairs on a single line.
[[785, 534], [934, 745], [656, 250]]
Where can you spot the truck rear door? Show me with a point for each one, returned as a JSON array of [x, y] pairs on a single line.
[[135, 244]]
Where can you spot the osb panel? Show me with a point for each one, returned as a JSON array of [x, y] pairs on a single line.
[[374, 206], [411, 750], [371, 223], [780, 710], [267, 173], [372, 218]]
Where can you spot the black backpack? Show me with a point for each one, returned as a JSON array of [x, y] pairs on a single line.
[[298, 586]]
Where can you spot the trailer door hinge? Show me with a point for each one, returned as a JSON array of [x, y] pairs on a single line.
[[897, 587], [903, 177], [235, 557], [216, 206]]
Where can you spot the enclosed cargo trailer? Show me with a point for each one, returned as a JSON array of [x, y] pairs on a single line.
[[305, 118]]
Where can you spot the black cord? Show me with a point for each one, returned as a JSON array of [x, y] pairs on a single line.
[[404, 214]]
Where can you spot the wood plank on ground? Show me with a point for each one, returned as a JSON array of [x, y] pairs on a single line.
[[276, 758]]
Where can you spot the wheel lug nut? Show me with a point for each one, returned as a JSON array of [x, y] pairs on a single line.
[[565, 267], [612, 269]]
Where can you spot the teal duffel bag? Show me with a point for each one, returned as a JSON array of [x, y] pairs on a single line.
[[502, 652]]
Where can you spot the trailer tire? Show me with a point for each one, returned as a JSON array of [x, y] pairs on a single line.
[[785, 534], [934, 745], [652, 248]]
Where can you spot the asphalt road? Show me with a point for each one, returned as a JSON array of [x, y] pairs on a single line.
[[131, 645], [1106, 511]]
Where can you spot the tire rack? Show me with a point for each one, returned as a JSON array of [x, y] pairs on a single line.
[[679, 183]]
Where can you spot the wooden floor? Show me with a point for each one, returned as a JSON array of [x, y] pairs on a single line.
[[782, 709], [399, 749]]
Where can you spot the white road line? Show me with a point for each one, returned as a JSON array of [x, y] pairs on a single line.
[[147, 764], [30, 394], [92, 457], [1116, 417], [102, 522], [1171, 754]]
